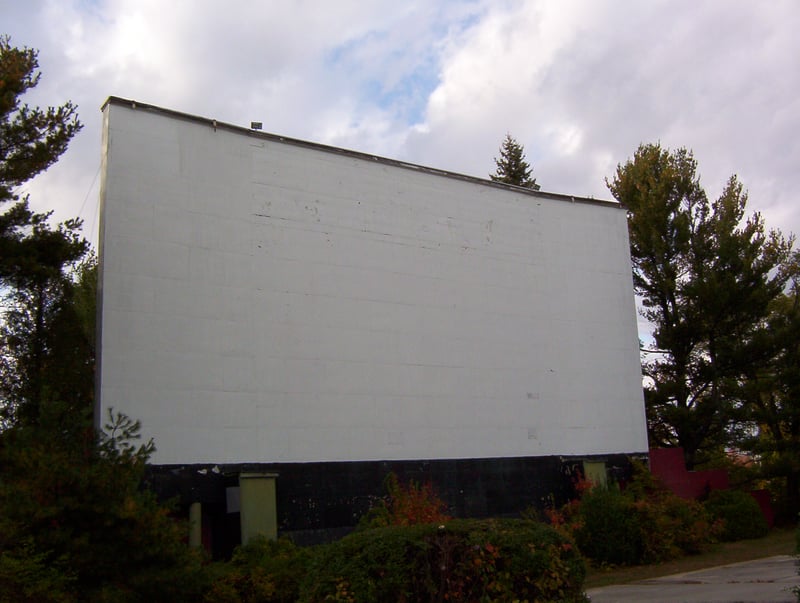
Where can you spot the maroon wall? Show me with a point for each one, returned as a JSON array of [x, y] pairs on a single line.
[[668, 465]]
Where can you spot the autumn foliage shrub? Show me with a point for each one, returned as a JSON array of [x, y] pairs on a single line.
[[416, 553], [460, 561], [646, 523], [671, 526], [405, 505]]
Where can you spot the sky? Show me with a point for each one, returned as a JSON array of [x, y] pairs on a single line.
[[580, 83]]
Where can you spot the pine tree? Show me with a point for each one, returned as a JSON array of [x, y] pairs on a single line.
[[707, 276], [512, 168], [75, 522], [47, 337], [773, 395], [34, 256], [31, 140]]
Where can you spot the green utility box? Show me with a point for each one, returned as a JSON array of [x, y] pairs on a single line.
[[259, 511], [595, 472]]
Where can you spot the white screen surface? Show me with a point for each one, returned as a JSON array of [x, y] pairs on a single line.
[[269, 301]]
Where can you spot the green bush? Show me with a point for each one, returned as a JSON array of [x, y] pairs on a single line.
[[262, 571], [740, 514], [608, 527], [462, 560]]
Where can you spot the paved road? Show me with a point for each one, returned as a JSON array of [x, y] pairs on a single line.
[[766, 580]]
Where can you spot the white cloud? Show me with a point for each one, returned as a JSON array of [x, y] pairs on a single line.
[[580, 83]]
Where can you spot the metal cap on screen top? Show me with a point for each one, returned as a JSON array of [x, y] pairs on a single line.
[[256, 125]]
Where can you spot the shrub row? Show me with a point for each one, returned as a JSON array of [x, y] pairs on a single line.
[[462, 560], [647, 523], [409, 559], [615, 528]]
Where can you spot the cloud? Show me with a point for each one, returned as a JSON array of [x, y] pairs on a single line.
[[351, 74], [580, 82]]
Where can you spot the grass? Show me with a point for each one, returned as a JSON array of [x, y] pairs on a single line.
[[780, 541]]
